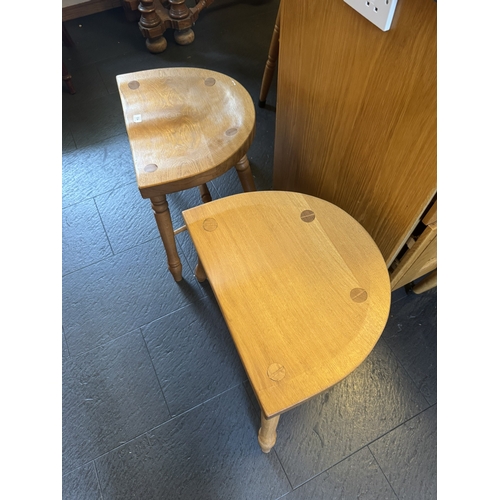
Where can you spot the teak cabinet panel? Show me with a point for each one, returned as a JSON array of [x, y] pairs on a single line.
[[356, 113]]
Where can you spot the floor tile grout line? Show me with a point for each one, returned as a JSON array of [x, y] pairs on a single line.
[[364, 446], [382, 470], [98, 479], [125, 443], [156, 373], [104, 344], [103, 226]]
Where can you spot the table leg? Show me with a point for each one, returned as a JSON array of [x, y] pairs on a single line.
[[267, 432], [164, 222], [245, 174]]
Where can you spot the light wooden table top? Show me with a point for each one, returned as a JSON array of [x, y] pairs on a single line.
[[186, 126], [302, 286]]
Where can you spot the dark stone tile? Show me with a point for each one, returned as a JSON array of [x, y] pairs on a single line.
[[102, 36], [129, 219], [193, 355], [358, 476], [375, 398], [81, 484], [411, 333], [407, 456], [210, 452], [96, 169], [98, 120], [83, 237], [88, 84], [110, 396], [121, 293], [68, 143]]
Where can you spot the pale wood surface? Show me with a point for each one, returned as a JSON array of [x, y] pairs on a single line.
[[421, 257], [356, 113], [186, 126], [305, 296], [267, 432], [430, 281]]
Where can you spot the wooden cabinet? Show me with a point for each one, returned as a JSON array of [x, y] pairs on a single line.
[[356, 115]]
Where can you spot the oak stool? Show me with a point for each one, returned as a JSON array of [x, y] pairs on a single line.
[[186, 126], [302, 286]]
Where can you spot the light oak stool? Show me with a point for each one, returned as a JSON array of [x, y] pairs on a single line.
[[186, 126], [303, 288]]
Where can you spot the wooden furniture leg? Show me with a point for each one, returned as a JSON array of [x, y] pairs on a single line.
[[164, 221], [156, 18], [430, 281], [205, 193], [267, 432], [67, 78], [245, 174], [271, 62]]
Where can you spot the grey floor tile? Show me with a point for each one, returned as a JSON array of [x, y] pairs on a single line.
[[193, 355], [121, 293], [100, 119], [83, 237], [81, 484], [209, 453], [375, 398], [129, 219], [358, 476], [407, 456], [411, 333], [110, 396], [96, 169]]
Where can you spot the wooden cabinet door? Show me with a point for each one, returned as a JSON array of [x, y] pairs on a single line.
[[356, 113]]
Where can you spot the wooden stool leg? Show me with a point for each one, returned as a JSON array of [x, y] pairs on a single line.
[[267, 432], [430, 281], [150, 20], [67, 78], [199, 272], [245, 174], [205, 193], [271, 62], [162, 216]]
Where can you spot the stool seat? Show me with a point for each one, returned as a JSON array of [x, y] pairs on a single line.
[[186, 126], [302, 286]]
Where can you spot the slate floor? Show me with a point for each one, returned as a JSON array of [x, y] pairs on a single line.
[[156, 404]]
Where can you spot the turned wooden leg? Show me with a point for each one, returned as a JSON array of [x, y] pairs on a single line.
[[271, 62], [162, 216], [67, 78], [179, 11], [245, 174], [205, 193], [267, 432], [430, 281], [199, 272], [151, 27]]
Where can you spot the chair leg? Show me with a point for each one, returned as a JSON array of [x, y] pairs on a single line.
[[164, 222], [245, 174], [271, 62]]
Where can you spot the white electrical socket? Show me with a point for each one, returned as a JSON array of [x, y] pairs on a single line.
[[379, 12]]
